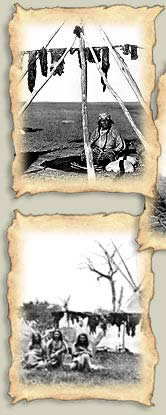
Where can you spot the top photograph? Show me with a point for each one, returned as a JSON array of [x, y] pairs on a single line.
[[80, 86]]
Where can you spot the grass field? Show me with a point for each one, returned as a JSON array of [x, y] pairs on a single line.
[[118, 368], [56, 129]]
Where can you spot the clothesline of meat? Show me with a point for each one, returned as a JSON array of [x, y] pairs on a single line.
[[131, 320], [102, 54]]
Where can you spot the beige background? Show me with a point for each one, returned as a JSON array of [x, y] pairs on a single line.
[[83, 203]]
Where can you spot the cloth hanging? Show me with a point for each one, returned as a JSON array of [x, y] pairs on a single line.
[[56, 54], [43, 61], [133, 51], [32, 70]]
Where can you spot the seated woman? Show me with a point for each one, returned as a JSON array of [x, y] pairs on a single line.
[[36, 356], [106, 142], [55, 349], [82, 354]]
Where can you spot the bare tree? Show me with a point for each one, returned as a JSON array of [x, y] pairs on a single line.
[[112, 270]]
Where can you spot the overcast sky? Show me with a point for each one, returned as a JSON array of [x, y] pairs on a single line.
[[52, 268], [67, 87]]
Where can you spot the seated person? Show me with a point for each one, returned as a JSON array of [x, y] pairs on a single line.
[[106, 142], [56, 347], [82, 354], [35, 357]]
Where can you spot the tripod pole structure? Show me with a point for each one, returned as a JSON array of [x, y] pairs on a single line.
[[87, 147]]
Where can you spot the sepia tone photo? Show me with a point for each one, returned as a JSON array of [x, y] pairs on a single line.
[[79, 296], [152, 227], [80, 99]]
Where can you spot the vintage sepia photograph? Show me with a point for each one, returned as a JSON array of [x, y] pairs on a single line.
[[79, 312], [158, 216], [80, 95], [152, 228]]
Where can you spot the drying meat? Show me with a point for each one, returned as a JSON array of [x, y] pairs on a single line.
[[105, 64], [56, 54], [32, 70], [43, 61], [126, 49], [134, 54]]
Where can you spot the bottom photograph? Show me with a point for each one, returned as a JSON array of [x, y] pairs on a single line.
[[79, 294]]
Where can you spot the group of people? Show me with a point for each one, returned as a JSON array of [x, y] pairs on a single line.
[[48, 352]]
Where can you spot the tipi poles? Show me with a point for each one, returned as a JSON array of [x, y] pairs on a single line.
[[87, 147], [54, 34], [26, 105], [123, 262], [116, 96], [125, 71]]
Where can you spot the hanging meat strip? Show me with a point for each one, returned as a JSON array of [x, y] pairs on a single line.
[[133, 51], [126, 49], [43, 61], [89, 56], [101, 54], [56, 54], [32, 70], [93, 322], [105, 64], [132, 321], [104, 325]]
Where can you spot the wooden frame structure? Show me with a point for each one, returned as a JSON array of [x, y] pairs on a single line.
[[79, 33]]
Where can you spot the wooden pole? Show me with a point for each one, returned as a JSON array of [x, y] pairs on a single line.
[[116, 96], [125, 71], [123, 336], [87, 146], [26, 71], [122, 273], [123, 262], [26, 105], [120, 299]]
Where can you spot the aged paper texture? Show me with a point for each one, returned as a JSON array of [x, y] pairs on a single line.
[[76, 130], [152, 225], [81, 279]]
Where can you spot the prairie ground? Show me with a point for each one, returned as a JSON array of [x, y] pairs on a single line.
[[117, 368], [53, 134]]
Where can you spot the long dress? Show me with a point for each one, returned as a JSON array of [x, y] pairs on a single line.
[[35, 357], [55, 351]]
